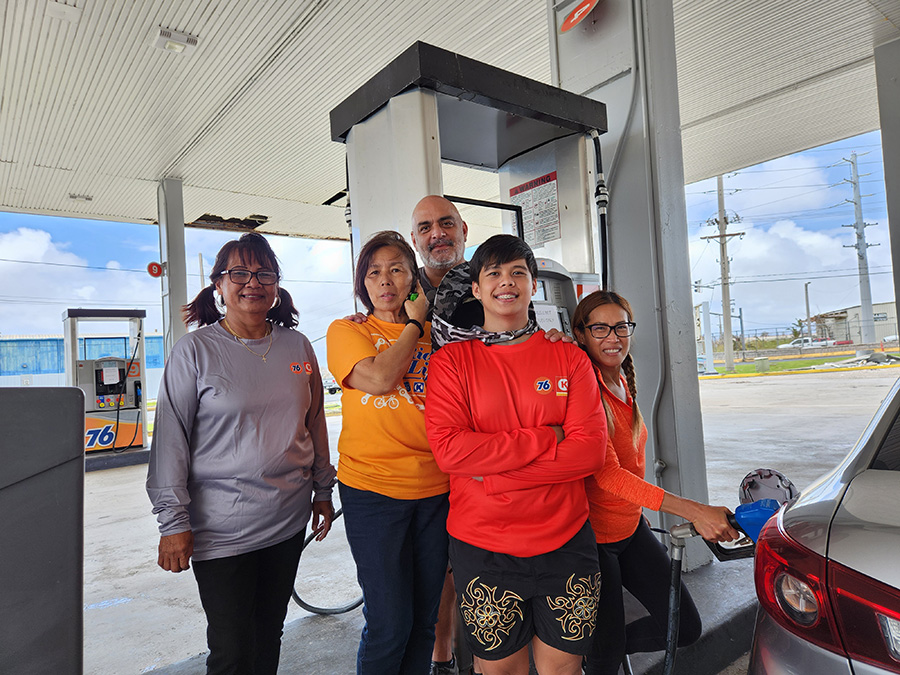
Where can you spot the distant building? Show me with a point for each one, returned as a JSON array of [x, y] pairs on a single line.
[[39, 360], [844, 324]]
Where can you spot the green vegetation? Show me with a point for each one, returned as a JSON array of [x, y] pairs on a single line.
[[779, 366]]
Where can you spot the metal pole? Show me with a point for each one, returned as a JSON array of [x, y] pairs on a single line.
[[726, 290], [808, 321], [866, 319]]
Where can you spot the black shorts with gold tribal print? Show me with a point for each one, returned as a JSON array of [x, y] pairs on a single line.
[[506, 600]]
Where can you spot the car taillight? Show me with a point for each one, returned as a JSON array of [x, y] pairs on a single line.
[[825, 602], [868, 613], [790, 585]]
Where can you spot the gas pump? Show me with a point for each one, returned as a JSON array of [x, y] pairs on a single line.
[[429, 108], [115, 410], [555, 299]]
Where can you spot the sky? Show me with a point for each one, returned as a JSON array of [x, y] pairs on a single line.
[[48, 264], [792, 210]]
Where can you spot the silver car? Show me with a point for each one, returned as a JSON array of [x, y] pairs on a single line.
[[827, 566]]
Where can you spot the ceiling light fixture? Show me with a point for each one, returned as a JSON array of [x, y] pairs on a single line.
[[67, 13], [175, 42], [80, 198]]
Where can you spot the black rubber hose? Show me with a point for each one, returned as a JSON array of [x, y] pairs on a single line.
[[674, 617], [601, 197]]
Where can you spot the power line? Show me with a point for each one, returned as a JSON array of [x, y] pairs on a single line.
[[124, 269], [807, 278]]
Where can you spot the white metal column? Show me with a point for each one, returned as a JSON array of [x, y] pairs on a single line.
[[394, 160], [623, 54], [170, 206], [887, 65]]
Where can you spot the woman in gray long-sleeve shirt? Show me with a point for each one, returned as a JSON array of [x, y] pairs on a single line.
[[239, 458]]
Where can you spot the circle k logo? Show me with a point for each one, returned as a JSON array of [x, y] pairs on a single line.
[[542, 385], [562, 386]]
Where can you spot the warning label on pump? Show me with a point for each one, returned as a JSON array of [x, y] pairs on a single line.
[[539, 199]]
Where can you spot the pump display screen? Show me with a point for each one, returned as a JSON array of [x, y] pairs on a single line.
[[541, 293], [108, 378]]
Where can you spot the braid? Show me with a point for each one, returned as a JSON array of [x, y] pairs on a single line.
[[636, 417], [610, 425]]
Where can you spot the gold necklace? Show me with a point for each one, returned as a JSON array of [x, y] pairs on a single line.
[[237, 337]]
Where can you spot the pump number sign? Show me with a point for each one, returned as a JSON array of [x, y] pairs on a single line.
[[539, 199], [577, 15]]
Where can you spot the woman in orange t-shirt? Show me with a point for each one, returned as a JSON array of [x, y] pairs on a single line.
[[394, 496], [630, 556]]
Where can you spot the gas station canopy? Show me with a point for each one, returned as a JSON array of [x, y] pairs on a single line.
[[99, 100]]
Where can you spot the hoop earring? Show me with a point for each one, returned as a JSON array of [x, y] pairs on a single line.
[[220, 301], [277, 302]]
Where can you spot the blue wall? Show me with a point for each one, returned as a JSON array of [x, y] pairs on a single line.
[[40, 356]]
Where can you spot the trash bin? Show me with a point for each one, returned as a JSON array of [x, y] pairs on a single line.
[[762, 364], [42, 502]]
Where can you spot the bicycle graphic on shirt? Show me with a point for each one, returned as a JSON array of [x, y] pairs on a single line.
[[390, 400], [381, 401]]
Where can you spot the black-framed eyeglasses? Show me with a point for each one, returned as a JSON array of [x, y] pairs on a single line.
[[602, 330], [242, 277]]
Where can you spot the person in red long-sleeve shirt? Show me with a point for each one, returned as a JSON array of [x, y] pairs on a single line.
[[518, 424], [630, 556]]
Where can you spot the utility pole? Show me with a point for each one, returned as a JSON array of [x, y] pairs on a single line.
[[722, 222], [808, 322], [867, 320]]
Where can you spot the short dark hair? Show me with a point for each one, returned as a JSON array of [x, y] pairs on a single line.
[[378, 241], [499, 250], [202, 310]]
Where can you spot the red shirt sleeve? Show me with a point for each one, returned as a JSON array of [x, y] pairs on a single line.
[[457, 446], [582, 451]]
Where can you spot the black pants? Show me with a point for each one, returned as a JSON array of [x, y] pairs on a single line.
[[245, 598], [640, 564]]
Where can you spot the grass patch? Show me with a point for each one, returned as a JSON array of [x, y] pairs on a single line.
[[779, 366]]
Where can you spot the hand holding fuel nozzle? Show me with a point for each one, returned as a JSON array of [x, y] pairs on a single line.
[[762, 493]]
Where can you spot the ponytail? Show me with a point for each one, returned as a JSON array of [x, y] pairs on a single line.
[[283, 313], [202, 310]]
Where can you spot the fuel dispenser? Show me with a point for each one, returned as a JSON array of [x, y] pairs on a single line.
[[555, 299], [115, 411], [430, 108]]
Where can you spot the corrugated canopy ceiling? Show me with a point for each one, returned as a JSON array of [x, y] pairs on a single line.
[[93, 115]]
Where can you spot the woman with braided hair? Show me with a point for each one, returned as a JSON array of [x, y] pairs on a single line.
[[630, 556]]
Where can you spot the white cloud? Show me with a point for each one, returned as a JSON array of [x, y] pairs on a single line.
[[771, 265], [34, 296]]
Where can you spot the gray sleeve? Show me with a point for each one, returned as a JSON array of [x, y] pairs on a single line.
[[323, 473], [170, 451]]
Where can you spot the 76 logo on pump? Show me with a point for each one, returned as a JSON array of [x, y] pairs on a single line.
[[99, 437]]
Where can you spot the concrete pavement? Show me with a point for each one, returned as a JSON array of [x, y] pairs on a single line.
[[140, 619]]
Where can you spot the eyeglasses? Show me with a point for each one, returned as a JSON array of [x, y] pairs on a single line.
[[242, 277], [602, 330]]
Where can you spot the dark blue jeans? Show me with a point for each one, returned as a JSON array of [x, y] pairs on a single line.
[[400, 549]]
